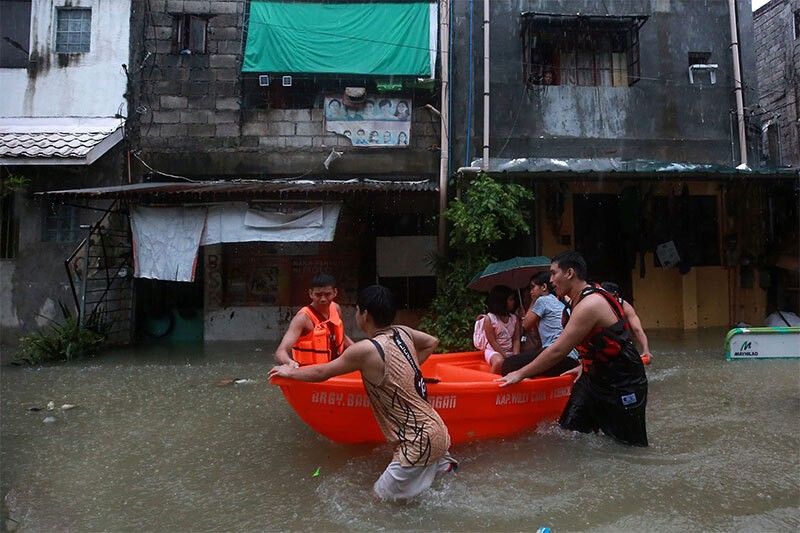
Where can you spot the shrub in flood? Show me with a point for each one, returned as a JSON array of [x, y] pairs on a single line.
[[63, 341]]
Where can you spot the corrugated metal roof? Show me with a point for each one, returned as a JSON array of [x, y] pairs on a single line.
[[243, 189], [55, 138], [626, 167]]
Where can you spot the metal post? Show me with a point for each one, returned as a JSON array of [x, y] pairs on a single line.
[[485, 159], [444, 162], [737, 83]]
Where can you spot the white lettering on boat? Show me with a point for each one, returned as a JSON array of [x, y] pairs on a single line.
[[327, 398], [560, 392], [357, 400], [519, 398], [443, 402]]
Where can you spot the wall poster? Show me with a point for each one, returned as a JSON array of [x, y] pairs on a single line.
[[377, 122]]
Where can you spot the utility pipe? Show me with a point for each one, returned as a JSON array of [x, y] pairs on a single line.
[[737, 84], [485, 160], [444, 162]]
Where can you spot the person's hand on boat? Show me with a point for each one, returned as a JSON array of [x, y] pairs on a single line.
[[577, 371], [283, 371], [510, 378]]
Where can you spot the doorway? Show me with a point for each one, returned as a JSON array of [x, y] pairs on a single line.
[[600, 238]]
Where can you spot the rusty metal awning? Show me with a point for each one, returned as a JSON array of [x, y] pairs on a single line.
[[595, 21], [228, 190]]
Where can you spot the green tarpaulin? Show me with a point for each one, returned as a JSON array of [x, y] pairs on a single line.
[[378, 38]]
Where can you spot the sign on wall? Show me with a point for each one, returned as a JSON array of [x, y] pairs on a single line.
[[378, 122]]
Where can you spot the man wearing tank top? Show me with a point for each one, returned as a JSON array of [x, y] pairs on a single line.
[[389, 362]]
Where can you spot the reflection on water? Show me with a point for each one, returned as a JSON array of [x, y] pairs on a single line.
[[155, 444]]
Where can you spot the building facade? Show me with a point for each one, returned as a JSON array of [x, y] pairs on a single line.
[[63, 73], [777, 37], [622, 116], [330, 116]]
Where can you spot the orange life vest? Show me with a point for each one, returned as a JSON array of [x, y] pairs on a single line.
[[324, 342]]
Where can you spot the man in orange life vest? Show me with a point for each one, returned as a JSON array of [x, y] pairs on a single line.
[[610, 392], [316, 333]]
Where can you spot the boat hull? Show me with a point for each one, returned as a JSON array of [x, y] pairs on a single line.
[[466, 396], [763, 343]]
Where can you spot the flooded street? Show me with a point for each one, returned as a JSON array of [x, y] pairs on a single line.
[[155, 444]]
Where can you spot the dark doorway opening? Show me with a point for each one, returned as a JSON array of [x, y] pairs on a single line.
[[599, 236]]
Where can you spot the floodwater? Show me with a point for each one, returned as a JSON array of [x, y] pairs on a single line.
[[155, 445]]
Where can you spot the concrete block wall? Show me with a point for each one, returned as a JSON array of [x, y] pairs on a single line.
[[778, 64], [190, 121]]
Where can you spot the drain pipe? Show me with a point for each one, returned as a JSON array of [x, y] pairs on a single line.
[[485, 160], [737, 85], [444, 157]]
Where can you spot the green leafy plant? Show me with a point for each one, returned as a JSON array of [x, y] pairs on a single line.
[[64, 341], [12, 183], [489, 212]]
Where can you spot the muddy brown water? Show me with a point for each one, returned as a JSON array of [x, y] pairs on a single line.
[[155, 445]]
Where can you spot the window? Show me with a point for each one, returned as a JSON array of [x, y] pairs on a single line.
[[73, 30], [60, 223], [189, 36], [8, 227], [699, 58], [581, 50], [15, 30]]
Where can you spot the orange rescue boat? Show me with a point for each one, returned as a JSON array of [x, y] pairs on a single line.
[[461, 388]]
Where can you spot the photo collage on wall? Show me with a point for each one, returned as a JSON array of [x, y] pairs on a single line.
[[376, 122]]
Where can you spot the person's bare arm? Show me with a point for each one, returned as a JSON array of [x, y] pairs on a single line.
[[517, 338], [530, 322], [299, 325], [636, 328], [581, 322], [352, 359], [423, 343], [491, 337]]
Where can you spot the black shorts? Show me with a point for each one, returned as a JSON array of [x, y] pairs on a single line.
[[588, 411]]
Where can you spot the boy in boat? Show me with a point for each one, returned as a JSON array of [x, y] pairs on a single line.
[[610, 391], [633, 319], [316, 333], [389, 362]]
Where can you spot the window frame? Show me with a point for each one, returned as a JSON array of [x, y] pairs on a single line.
[[16, 60], [60, 223], [182, 26], [578, 36], [58, 31]]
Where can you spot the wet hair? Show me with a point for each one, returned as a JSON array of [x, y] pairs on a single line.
[[497, 298], [610, 286], [323, 280], [379, 302], [542, 278], [573, 260], [384, 102]]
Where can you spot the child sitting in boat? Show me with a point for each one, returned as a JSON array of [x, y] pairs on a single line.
[[497, 332]]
